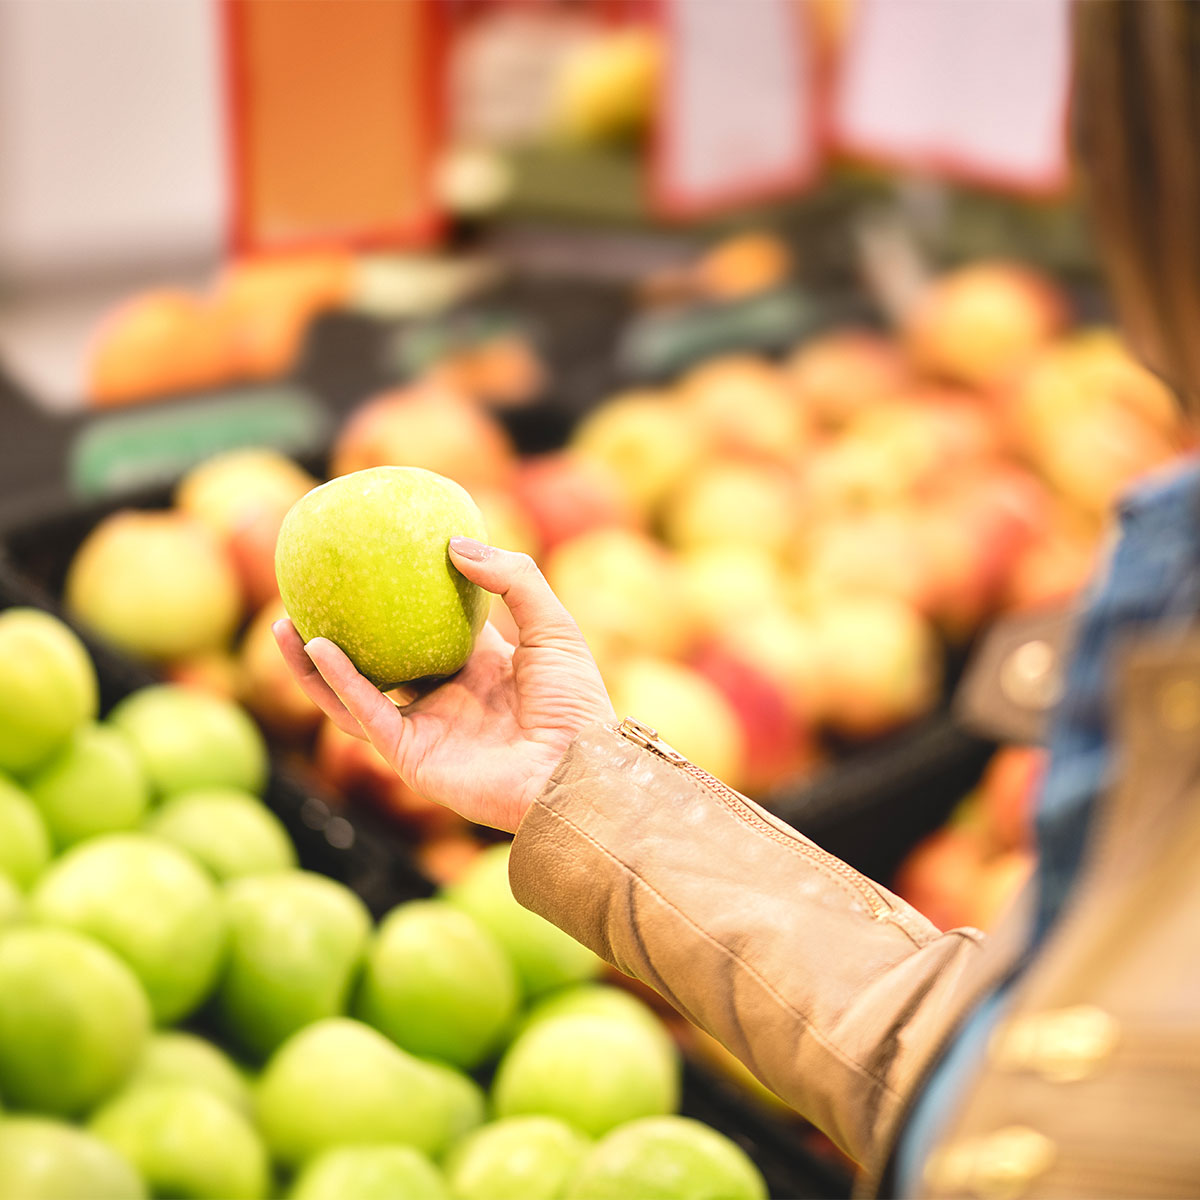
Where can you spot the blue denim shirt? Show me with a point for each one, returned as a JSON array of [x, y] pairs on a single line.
[[1153, 578]]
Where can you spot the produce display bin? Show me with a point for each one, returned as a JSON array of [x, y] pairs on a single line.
[[364, 851], [870, 807]]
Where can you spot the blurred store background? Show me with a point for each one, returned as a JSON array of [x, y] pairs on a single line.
[[764, 325]]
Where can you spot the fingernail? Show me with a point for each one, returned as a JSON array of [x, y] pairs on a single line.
[[466, 547], [308, 646], [279, 626]]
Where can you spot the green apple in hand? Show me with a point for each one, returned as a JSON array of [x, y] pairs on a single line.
[[438, 983], [362, 560], [186, 1142], [370, 1173], [667, 1158], [518, 1158], [41, 1159], [545, 957], [93, 784], [296, 941], [73, 1020], [47, 687], [230, 832], [188, 739], [338, 1083], [24, 840], [152, 904]]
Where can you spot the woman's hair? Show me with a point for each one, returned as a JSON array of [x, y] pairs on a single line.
[[1136, 117]]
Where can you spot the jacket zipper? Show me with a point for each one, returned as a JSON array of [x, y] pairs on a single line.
[[642, 735]]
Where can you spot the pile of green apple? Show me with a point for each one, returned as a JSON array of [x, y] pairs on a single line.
[[185, 1012]]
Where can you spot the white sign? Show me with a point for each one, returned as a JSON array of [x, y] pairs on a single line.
[[976, 89], [736, 114]]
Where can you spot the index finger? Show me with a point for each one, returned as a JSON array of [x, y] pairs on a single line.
[[305, 673], [377, 716]]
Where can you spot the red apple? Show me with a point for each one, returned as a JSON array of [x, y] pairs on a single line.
[[242, 496], [428, 426], [1010, 789], [1054, 567], [566, 494], [745, 405], [785, 648], [837, 376], [940, 875], [777, 747]]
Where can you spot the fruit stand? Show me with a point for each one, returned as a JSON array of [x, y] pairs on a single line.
[[788, 453]]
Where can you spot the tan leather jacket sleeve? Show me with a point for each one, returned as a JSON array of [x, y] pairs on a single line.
[[831, 989]]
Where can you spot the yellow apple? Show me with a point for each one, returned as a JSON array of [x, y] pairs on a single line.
[[880, 663], [155, 584], [647, 440], [735, 503], [979, 324], [728, 583], [688, 711], [268, 688], [746, 405], [624, 590], [430, 426]]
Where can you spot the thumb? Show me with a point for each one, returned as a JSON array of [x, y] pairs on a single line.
[[539, 615]]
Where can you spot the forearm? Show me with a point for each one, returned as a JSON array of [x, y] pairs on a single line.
[[827, 986]]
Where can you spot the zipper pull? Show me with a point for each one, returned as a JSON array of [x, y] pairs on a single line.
[[642, 735]]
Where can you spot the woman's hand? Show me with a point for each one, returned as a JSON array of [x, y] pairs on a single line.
[[485, 741]]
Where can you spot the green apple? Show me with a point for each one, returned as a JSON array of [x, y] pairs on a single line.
[[47, 686], [186, 1142], [230, 832], [152, 904], [73, 1020], [370, 1173], [438, 983], [362, 560], [594, 1072], [466, 1102], [296, 942], [189, 739], [42, 1159], [24, 840], [518, 1158], [667, 1158], [545, 957], [172, 1056], [339, 1083], [12, 902], [91, 785], [596, 999], [155, 584]]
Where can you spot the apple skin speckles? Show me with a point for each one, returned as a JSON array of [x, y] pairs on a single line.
[[363, 560]]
